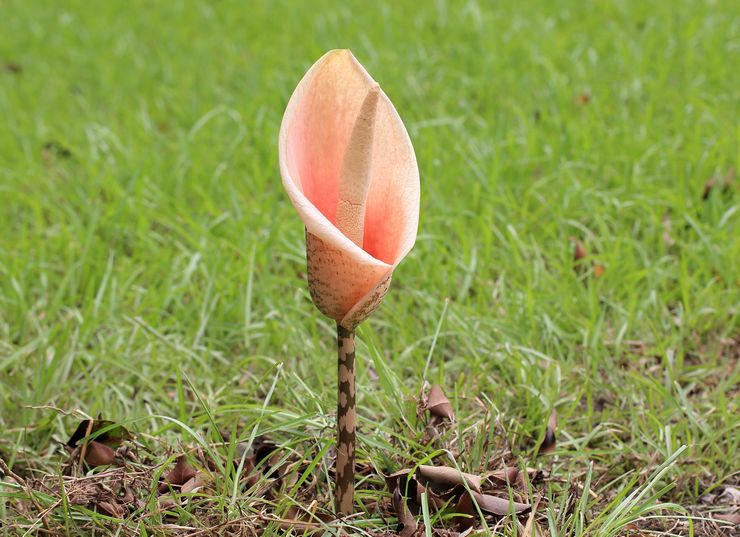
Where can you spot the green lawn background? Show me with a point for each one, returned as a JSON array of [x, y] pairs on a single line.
[[144, 230]]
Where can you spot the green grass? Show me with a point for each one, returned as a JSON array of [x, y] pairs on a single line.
[[152, 268]]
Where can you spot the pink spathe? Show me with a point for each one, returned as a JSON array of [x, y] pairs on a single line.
[[349, 168]]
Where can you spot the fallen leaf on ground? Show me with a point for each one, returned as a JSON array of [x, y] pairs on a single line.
[[438, 404], [178, 476], [13, 67], [583, 98], [730, 495], [488, 504], [499, 506], [444, 475], [548, 443], [506, 475], [98, 454], [128, 496], [55, 149], [110, 509], [113, 435], [579, 252], [725, 182], [195, 483], [531, 526], [406, 521], [408, 484], [732, 518]]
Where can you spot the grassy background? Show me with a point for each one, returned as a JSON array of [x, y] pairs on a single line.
[[144, 230]]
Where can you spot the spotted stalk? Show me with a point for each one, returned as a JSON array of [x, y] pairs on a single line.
[[346, 422]]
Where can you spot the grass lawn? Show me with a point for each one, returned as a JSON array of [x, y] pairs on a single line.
[[152, 268]]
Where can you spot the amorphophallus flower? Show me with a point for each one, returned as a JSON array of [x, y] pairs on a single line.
[[349, 168]]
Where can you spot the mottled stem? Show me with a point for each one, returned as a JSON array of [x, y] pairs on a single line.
[[346, 422]]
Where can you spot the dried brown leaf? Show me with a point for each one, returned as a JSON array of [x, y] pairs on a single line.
[[732, 518], [726, 183], [530, 475], [128, 496], [432, 496], [499, 506], [438, 404], [260, 453], [531, 526], [506, 475], [195, 483], [465, 507], [444, 475], [406, 521], [113, 436], [396, 479], [98, 454], [583, 98], [178, 476], [488, 504], [730, 495], [579, 252], [548, 443], [13, 67], [110, 509]]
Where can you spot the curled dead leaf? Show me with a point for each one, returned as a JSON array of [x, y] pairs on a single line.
[[110, 508], [724, 181], [487, 503], [531, 528], [579, 252], [583, 98], [128, 496], [730, 495], [13, 67], [548, 443], [444, 475], [438, 404], [732, 518], [54, 149], [110, 433], [530, 475], [406, 521], [466, 512], [507, 475], [499, 506], [261, 453], [98, 454], [178, 476], [195, 483]]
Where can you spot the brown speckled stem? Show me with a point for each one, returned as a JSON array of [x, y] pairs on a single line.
[[346, 423]]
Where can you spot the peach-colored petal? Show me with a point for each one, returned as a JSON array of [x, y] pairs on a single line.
[[349, 169], [317, 126]]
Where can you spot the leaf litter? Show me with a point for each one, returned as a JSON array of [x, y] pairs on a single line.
[[130, 486]]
